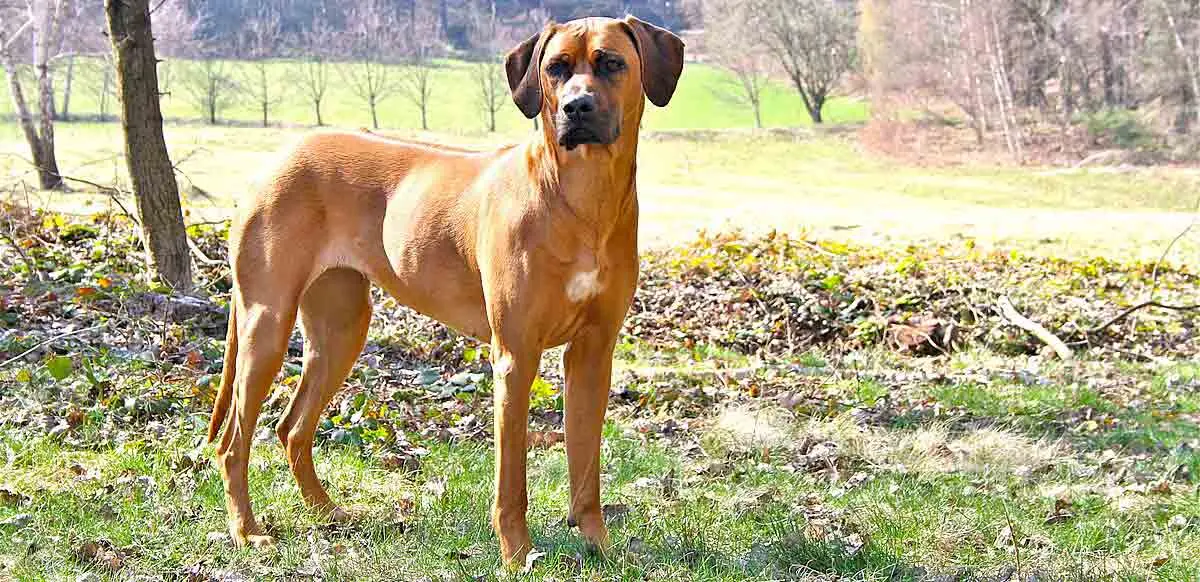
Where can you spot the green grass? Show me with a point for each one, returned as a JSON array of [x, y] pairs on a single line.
[[758, 518], [702, 101]]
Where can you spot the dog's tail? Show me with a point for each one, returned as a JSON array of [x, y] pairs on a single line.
[[225, 393]]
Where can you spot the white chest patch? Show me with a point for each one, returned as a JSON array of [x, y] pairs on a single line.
[[583, 286]]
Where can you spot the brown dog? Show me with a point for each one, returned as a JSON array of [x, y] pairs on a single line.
[[527, 247]]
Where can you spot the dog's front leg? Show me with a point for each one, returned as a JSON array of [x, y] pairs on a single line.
[[513, 372], [588, 367]]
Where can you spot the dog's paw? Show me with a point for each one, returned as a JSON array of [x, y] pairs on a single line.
[[260, 542]]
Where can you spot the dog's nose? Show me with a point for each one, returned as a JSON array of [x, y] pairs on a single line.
[[579, 107]]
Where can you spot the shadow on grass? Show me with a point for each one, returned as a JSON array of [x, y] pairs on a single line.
[[783, 552]]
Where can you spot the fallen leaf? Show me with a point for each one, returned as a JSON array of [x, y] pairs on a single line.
[[614, 513], [638, 548], [101, 553], [1004, 539], [853, 543], [12, 497], [545, 439], [530, 559]]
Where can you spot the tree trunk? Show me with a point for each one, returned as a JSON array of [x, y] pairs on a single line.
[[47, 179], [104, 94], [66, 106], [1108, 70], [317, 108], [48, 167], [424, 123], [266, 95], [163, 233], [1191, 109], [374, 115]]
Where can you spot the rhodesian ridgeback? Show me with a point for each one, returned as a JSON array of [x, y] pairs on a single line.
[[527, 247]]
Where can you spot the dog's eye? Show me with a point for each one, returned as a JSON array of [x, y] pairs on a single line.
[[612, 65], [558, 69]]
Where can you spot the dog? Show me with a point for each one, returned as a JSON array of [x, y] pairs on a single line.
[[526, 247]]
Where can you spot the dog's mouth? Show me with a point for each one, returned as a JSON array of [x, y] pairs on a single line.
[[574, 136]]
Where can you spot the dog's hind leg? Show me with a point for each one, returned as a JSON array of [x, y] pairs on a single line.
[[262, 340], [335, 312]]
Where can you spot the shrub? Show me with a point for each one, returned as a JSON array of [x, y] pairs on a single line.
[[1120, 128]]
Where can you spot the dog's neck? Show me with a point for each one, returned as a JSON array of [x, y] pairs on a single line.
[[596, 183]]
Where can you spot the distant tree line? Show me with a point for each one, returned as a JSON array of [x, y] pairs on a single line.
[[1002, 67], [1129, 66], [450, 22]]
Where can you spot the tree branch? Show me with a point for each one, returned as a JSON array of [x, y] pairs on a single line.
[[1010, 313]]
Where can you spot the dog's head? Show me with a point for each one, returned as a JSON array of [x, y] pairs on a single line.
[[588, 76]]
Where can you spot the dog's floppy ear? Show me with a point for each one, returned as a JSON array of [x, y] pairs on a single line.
[[524, 76], [661, 53]]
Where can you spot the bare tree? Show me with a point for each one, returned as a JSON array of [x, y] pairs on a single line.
[[1182, 18], [731, 41], [163, 233], [80, 39], [175, 38], [40, 22], [488, 70], [370, 41], [259, 46], [493, 89], [310, 69], [100, 83], [209, 86], [415, 83], [814, 43]]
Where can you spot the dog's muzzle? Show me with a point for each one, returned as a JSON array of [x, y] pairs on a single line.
[[580, 123]]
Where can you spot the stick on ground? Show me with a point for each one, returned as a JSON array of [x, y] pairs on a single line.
[[1010, 314]]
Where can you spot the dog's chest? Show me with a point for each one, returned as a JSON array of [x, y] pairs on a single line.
[[584, 279]]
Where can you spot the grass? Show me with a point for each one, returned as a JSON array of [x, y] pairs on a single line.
[[835, 461], [704, 100], [690, 177], [823, 183], [898, 509]]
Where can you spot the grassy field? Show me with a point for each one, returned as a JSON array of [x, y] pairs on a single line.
[[823, 183], [749, 499], [700, 169], [703, 101]]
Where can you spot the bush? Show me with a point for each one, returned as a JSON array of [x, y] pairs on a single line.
[[1120, 128]]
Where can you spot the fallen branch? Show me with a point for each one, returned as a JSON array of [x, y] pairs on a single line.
[[1010, 313], [199, 254], [50, 341], [1140, 306]]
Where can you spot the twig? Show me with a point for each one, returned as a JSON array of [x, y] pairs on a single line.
[[208, 222], [1171, 245], [1012, 530], [199, 254], [49, 341], [1140, 306], [33, 270], [1010, 313]]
